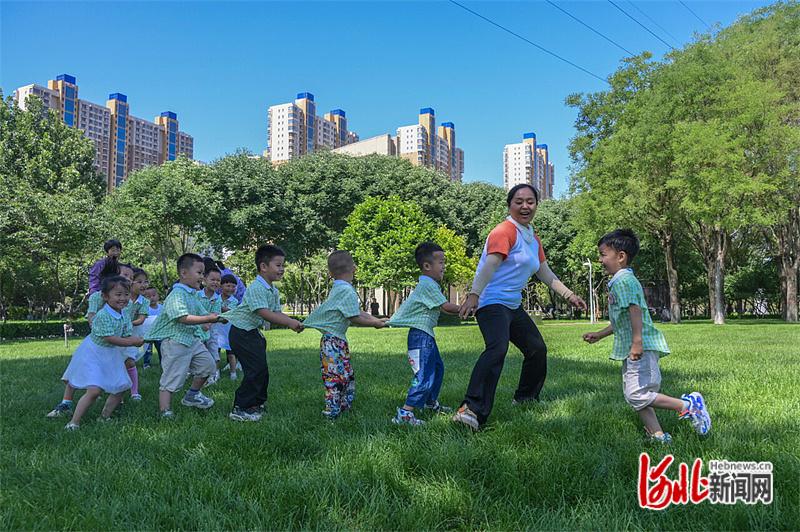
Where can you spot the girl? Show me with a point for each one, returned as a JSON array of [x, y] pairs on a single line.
[[98, 364], [137, 311], [112, 268]]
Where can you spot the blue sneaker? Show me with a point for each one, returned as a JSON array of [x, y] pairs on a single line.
[[406, 417], [664, 438], [697, 413]]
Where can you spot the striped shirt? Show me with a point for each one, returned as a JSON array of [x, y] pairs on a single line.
[[333, 315], [421, 309], [259, 294], [180, 302], [625, 290], [109, 322]]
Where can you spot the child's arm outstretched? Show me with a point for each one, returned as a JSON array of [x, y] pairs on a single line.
[[593, 337], [139, 319], [189, 319], [368, 320], [124, 341], [279, 318], [637, 350], [450, 308]]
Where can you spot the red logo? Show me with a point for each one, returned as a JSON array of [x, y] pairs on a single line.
[[657, 491]]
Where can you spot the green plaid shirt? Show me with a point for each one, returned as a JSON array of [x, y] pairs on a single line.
[[139, 307], [180, 302], [209, 305], [257, 296], [95, 303], [109, 322], [231, 303], [625, 290], [421, 309], [333, 315]]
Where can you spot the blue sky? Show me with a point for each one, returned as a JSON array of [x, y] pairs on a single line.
[[220, 65]]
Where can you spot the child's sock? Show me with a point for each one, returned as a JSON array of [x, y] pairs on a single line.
[[67, 402], [686, 405], [134, 375], [192, 392]]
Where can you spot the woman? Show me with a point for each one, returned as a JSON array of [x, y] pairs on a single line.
[[511, 255]]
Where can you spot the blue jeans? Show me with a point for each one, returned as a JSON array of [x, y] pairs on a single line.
[[427, 380], [148, 352]]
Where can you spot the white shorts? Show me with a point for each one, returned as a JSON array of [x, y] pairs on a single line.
[[641, 380]]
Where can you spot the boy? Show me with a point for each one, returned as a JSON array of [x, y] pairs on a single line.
[[332, 318], [113, 249], [261, 304], [229, 302], [152, 313], [420, 312], [182, 351], [637, 343], [211, 303]]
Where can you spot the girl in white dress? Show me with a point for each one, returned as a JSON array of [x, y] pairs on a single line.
[[98, 364]]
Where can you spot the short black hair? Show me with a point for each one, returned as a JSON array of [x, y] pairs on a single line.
[[517, 188], [340, 262], [127, 265], [112, 244], [138, 272], [110, 268], [266, 253], [211, 270], [424, 252], [151, 287], [621, 240], [208, 262], [187, 260], [109, 283], [228, 278]]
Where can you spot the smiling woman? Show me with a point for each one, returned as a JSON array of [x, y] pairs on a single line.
[[512, 253]]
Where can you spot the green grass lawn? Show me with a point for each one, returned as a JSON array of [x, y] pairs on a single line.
[[569, 462]]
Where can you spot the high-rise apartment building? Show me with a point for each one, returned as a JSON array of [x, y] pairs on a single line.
[[528, 162], [123, 143], [294, 129], [423, 145]]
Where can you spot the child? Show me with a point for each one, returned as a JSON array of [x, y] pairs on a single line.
[[137, 312], [332, 318], [113, 249], [229, 302], [151, 293], [261, 304], [178, 328], [112, 268], [98, 365], [637, 343], [211, 302], [420, 312]]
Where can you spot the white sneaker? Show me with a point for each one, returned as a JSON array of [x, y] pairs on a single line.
[[197, 401], [697, 413], [71, 426], [233, 375], [136, 397]]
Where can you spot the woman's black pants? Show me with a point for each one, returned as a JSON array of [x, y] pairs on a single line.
[[500, 325]]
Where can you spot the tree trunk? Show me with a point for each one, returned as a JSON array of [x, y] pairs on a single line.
[[164, 275], [668, 247], [717, 273], [790, 270]]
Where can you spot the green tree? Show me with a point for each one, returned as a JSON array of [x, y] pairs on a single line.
[[382, 234], [50, 193], [460, 267], [162, 212]]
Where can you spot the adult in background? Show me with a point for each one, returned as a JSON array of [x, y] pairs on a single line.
[[512, 253], [113, 248]]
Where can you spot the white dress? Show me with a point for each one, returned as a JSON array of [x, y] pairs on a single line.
[[97, 365]]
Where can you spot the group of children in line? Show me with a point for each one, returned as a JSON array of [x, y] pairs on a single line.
[[200, 317]]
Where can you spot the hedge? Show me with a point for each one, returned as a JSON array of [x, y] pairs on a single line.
[[10, 330]]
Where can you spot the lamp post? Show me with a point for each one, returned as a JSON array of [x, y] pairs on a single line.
[[591, 291]]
